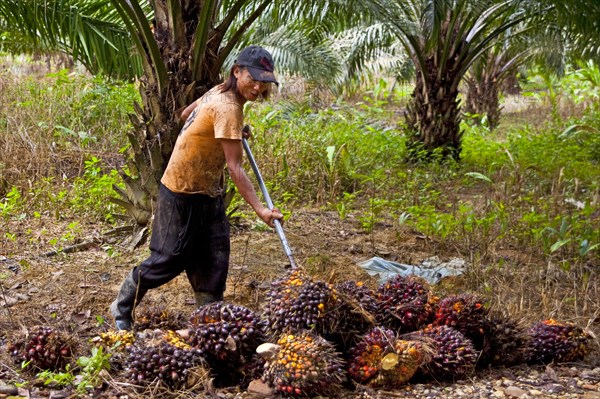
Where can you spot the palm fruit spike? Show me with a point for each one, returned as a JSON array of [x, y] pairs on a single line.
[[115, 339], [305, 365], [505, 343], [175, 339], [149, 361], [465, 313], [556, 341], [453, 355], [297, 302], [159, 317], [365, 361], [404, 303], [44, 348]]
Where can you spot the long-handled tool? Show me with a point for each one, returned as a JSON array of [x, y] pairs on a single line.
[[263, 188]]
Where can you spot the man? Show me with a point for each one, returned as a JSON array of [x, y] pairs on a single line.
[[190, 230]]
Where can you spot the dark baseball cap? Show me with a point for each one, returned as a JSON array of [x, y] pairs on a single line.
[[259, 63]]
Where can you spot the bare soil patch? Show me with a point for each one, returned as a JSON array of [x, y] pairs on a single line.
[[73, 291]]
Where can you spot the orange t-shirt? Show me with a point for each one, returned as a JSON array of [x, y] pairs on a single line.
[[197, 162]]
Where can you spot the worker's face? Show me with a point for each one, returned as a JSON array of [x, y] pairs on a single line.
[[249, 88]]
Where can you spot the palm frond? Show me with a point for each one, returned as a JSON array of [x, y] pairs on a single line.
[[89, 30]]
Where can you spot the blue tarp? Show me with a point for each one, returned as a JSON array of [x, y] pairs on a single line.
[[431, 269]]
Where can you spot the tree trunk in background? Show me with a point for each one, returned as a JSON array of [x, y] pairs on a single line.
[[510, 85], [483, 99], [433, 114], [484, 83]]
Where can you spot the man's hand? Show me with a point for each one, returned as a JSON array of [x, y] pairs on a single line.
[[269, 216], [246, 132]]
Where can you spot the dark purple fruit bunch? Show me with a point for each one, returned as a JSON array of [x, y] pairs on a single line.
[[159, 317], [297, 302], [305, 365], [162, 362], [453, 355], [225, 332], [44, 349], [554, 341], [506, 342], [465, 313], [365, 359], [360, 293], [404, 303], [352, 316]]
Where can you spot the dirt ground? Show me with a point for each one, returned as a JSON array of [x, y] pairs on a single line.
[[73, 291]]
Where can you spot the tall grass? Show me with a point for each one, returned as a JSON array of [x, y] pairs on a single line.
[[50, 124], [62, 135]]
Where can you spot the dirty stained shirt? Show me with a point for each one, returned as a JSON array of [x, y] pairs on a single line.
[[198, 161]]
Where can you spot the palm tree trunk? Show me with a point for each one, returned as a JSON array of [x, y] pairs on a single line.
[[483, 99], [434, 115], [156, 122]]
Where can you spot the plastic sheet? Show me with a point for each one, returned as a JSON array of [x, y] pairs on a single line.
[[431, 269]]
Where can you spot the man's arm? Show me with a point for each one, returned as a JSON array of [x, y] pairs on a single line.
[[234, 157], [187, 111]]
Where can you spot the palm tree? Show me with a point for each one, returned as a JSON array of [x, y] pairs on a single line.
[[443, 38], [485, 79]]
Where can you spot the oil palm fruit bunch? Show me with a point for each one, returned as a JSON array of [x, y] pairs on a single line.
[[162, 361], [225, 331], [399, 366], [304, 364], [465, 313], [381, 359], [159, 317], [453, 355], [506, 341], [358, 291], [44, 348], [366, 356], [404, 303], [351, 314], [297, 302], [555, 341], [228, 335]]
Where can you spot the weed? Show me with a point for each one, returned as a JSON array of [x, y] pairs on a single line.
[[61, 379], [11, 202], [91, 367], [90, 192]]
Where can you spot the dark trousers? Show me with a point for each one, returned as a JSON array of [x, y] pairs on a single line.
[[190, 232]]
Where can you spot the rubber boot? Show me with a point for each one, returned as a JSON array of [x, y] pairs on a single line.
[[122, 307], [204, 298]]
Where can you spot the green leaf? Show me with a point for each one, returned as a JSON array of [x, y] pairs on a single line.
[[585, 247], [559, 244], [479, 176], [330, 154], [574, 129]]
